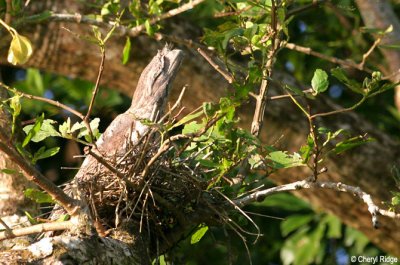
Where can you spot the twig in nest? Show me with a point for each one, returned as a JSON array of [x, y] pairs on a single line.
[[39, 228]]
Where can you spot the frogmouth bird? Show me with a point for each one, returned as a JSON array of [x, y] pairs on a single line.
[[148, 103]]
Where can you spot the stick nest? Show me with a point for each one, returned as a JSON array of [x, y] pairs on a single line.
[[156, 194]]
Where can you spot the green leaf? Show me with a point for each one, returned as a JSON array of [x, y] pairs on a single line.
[[15, 105], [189, 118], [396, 175], [355, 238], [39, 17], [319, 81], [65, 128], [376, 30], [48, 153], [334, 226], [65, 217], [97, 34], [390, 46], [10, 171], [340, 74], [149, 28], [395, 200], [126, 51], [22, 151], [46, 130], [280, 159], [31, 219], [94, 125], [305, 150], [229, 34], [201, 231], [294, 222], [350, 143], [286, 202], [87, 38], [77, 126], [38, 196], [35, 129], [295, 90], [161, 261]]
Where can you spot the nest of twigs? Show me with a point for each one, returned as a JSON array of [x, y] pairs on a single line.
[[155, 190]]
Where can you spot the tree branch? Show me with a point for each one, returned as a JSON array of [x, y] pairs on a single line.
[[47, 100], [309, 51], [133, 32], [39, 228], [32, 174], [304, 184]]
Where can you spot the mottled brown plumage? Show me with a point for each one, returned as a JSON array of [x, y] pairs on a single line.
[[148, 102]]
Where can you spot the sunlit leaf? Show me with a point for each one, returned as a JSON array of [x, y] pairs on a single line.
[[20, 49], [31, 219], [47, 153], [46, 130], [38, 196], [350, 143], [198, 234], [10, 171], [65, 217], [34, 130], [281, 160], [126, 51], [390, 46], [320, 81]]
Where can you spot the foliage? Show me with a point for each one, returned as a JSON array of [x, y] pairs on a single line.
[[258, 32]]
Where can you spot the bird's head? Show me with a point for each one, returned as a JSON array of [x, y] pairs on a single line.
[[155, 83]]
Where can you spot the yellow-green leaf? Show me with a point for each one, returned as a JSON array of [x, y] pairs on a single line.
[[202, 229], [20, 49]]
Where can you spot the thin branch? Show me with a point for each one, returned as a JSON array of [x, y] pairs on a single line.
[[298, 185], [226, 75], [105, 163], [7, 17], [120, 30], [315, 144], [8, 229], [177, 103], [185, 7], [309, 51], [340, 110], [234, 13], [243, 213], [390, 76], [39, 228], [50, 101], [365, 55], [303, 8], [95, 90], [33, 175], [261, 100], [133, 32], [307, 91]]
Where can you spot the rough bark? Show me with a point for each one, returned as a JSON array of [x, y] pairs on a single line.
[[77, 250], [368, 167]]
